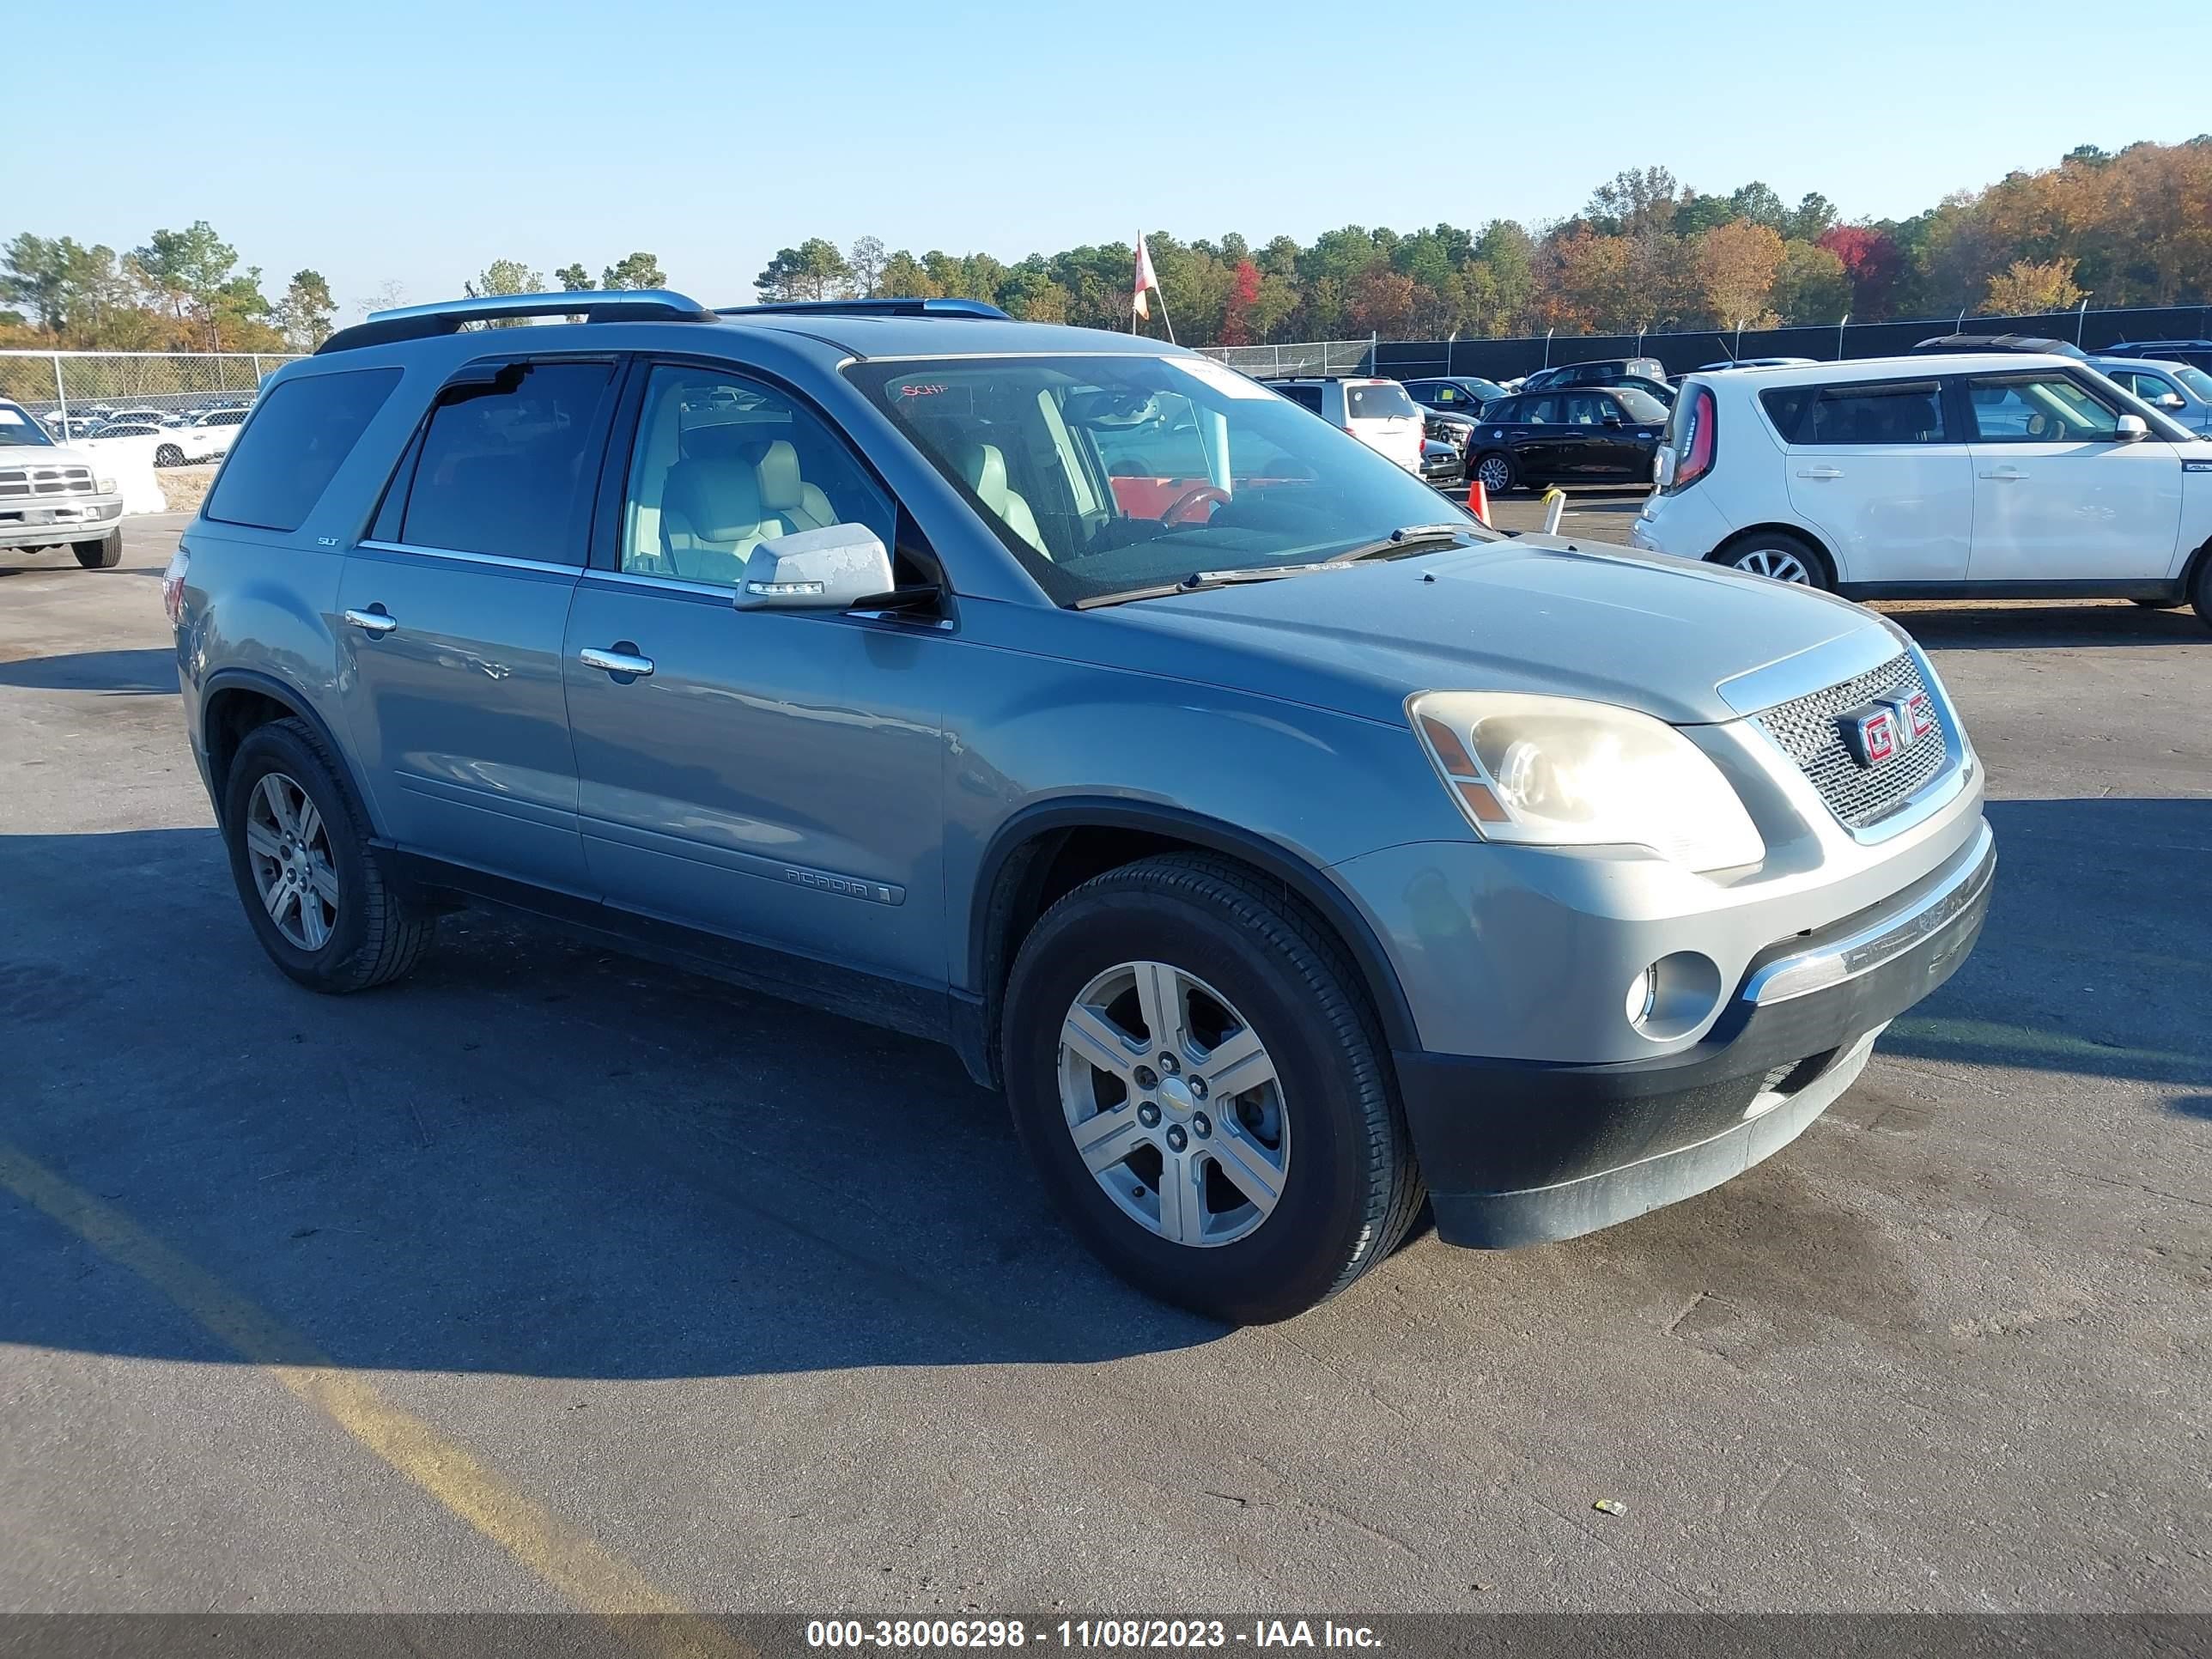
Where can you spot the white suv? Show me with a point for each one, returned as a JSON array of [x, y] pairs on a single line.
[[2003, 475], [1379, 413]]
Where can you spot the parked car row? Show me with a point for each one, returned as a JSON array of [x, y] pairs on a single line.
[[182, 437]]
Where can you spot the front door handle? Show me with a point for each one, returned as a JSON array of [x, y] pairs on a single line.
[[1820, 472], [2005, 474], [616, 662], [374, 624]]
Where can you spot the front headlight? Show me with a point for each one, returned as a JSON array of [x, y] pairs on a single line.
[[1560, 772], [106, 486]]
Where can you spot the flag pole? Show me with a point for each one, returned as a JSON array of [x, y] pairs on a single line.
[[1167, 321]]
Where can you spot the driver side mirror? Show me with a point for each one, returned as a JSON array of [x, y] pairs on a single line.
[[1612, 420], [828, 570], [2132, 429], [2172, 400]]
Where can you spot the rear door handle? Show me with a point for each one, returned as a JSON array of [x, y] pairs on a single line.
[[374, 624], [616, 662], [2005, 474], [1820, 472]]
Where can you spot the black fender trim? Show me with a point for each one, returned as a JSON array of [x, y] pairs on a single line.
[[1024, 828], [267, 685]]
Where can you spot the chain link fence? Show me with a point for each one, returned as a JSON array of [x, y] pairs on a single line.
[[89, 384], [1288, 363]]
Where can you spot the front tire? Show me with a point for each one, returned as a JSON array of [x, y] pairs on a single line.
[[1203, 1090], [315, 891], [1780, 557], [2200, 589], [103, 555]]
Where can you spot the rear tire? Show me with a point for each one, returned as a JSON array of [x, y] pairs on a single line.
[[1495, 472], [1780, 557], [2200, 588], [1245, 964], [103, 555], [315, 891]]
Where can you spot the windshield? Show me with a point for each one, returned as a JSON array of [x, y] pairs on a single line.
[[1108, 473], [19, 429], [1642, 406], [2195, 378]]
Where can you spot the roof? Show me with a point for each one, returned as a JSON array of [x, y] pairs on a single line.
[[1920, 364]]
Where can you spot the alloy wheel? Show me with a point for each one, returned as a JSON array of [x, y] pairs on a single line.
[[1778, 562], [1173, 1104], [289, 847], [1494, 473]]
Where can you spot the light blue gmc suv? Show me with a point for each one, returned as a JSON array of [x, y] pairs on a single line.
[[1293, 850]]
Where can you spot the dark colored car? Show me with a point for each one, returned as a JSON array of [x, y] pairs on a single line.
[[1584, 435], [2198, 354], [1442, 465], [2028, 343], [1450, 425], [1646, 374], [1457, 392]]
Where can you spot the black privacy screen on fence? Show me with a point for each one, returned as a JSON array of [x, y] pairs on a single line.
[[1498, 360]]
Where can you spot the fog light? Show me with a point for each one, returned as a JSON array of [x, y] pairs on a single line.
[[1674, 996]]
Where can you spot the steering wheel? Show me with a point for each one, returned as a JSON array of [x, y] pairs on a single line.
[[1192, 497]]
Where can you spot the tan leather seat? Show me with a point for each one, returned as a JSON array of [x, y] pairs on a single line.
[[985, 469], [713, 519], [786, 495]]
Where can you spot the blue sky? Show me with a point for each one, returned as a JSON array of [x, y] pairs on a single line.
[[414, 142]]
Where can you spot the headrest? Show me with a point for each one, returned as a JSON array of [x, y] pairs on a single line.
[[778, 474], [720, 500], [985, 470]]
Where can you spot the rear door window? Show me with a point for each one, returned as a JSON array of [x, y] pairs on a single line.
[[1901, 412], [1308, 397], [502, 469], [286, 458]]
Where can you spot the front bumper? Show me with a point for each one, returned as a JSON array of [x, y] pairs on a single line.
[[46, 523], [1526, 1151]]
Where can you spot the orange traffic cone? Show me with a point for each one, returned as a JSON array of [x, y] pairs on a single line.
[[1478, 501]]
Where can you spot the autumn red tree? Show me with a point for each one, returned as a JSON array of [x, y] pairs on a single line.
[[1872, 261], [1244, 294]]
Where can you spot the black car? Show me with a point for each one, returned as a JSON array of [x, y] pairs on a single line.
[[2033, 343], [1449, 426], [2198, 354], [1584, 435], [1645, 373], [1455, 391], [1442, 465]]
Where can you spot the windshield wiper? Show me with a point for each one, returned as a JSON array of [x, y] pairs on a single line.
[[1401, 541], [1198, 581]]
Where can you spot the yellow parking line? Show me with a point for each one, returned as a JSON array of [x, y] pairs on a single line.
[[583, 1572]]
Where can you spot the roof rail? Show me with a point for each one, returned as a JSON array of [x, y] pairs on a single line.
[[868, 308], [644, 305]]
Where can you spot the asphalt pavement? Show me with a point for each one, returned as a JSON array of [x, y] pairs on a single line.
[[549, 1278]]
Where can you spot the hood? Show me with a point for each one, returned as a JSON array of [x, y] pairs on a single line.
[[1534, 614]]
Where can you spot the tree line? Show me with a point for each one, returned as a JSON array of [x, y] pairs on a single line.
[[1645, 252]]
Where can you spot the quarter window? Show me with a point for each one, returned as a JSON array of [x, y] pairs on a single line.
[[2033, 408], [286, 458], [722, 464], [502, 467], [1901, 412]]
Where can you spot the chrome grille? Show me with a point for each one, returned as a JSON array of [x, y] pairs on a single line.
[[1805, 727], [23, 482]]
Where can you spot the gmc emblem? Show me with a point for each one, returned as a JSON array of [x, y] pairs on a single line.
[[1887, 726]]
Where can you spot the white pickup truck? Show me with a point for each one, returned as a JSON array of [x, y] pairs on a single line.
[[51, 495]]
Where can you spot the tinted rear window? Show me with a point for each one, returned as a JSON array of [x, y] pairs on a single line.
[[500, 471], [1386, 401], [1309, 396], [301, 434], [1909, 412]]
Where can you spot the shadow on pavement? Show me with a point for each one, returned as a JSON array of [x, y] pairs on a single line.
[[2093, 960], [117, 673], [2054, 626], [542, 1158]]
